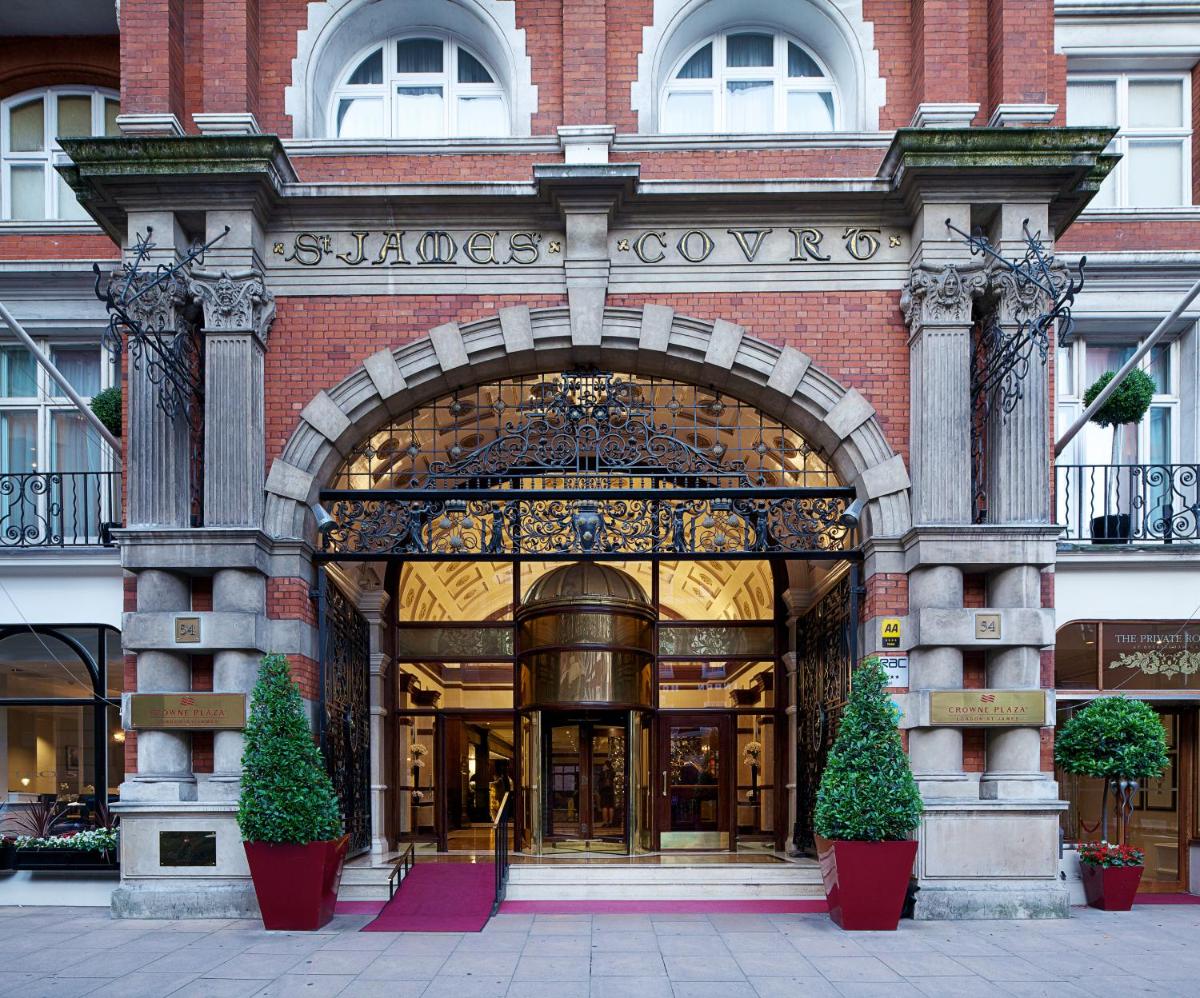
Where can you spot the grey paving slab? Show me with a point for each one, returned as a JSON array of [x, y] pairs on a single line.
[[819, 944], [741, 923], [628, 965], [12, 981], [468, 987], [60, 987], [627, 942], [334, 961], [310, 986], [923, 964], [686, 927], [113, 963], [423, 943], [782, 963], [403, 967], [629, 987], [480, 963], [853, 989], [551, 989], [958, 987], [556, 945], [757, 942], [701, 945], [622, 923], [552, 968], [140, 985], [1002, 968], [793, 987], [253, 966], [713, 989], [375, 942], [211, 988], [854, 969], [713, 967], [384, 989]]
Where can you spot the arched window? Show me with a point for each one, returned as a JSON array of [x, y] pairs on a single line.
[[748, 80], [431, 86], [30, 126]]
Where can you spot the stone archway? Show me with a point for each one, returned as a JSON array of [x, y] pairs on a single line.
[[653, 340]]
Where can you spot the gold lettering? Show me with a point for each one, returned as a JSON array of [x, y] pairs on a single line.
[[861, 243], [523, 248], [436, 247], [392, 243], [639, 246], [686, 242], [808, 245], [480, 247], [309, 248], [358, 256], [749, 250]]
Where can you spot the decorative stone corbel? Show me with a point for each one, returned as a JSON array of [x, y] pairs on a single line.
[[237, 302], [945, 296]]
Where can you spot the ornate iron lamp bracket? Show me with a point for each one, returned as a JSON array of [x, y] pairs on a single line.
[[150, 314]]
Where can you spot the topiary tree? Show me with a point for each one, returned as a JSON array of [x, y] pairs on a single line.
[[107, 407], [287, 796], [1118, 740], [867, 791], [1128, 404]]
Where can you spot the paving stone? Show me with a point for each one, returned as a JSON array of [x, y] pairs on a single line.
[[958, 987], [556, 945], [352, 962], [468, 987], [552, 968], [628, 965], [306, 985], [854, 969], [483, 962], [711, 968], [212, 988], [141, 985], [384, 989], [922, 964], [793, 987], [629, 987], [782, 963], [59, 987], [393, 966], [713, 989], [693, 945]]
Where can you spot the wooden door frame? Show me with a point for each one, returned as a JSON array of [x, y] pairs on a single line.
[[727, 801]]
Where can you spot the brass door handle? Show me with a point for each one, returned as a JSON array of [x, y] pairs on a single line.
[[664, 782]]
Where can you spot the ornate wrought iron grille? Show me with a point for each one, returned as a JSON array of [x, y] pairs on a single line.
[[586, 464], [345, 715], [826, 650], [1029, 298]]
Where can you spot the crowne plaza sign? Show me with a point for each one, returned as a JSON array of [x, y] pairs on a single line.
[[187, 711], [987, 708]]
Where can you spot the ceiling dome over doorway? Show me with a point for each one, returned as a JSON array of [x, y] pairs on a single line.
[[585, 582]]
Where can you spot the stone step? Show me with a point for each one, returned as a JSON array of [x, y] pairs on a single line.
[[614, 882]]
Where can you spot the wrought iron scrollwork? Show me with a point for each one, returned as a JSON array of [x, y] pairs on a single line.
[[345, 715], [662, 523], [1029, 299]]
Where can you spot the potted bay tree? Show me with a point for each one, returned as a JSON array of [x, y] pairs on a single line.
[[868, 806], [288, 812], [1122, 742], [1127, 406]]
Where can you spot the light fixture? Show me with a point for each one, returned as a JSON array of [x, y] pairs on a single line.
[[119, 736], [25, 781]]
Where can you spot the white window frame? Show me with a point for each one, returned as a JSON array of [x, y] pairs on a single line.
[[447, 79], [723, 74], [1070, 404], [45, 156], [1181, 136]]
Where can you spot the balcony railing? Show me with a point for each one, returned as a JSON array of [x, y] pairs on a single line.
[[1129, 503], [58, 509]]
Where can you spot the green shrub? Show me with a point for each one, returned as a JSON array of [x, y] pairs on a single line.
[[286, 794], [1128, 404], [1112, 738], [867, 791], [107, 407]]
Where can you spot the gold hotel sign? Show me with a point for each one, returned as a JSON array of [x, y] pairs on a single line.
[[988, 707], [188, 711]]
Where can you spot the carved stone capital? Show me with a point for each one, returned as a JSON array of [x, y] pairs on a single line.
[[940, 297], [1019, 300], [234, 302]]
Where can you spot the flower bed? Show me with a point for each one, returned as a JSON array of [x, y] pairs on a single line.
[[94, 849], [1106, 855]]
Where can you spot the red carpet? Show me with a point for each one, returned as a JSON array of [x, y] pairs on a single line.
[[1166, 899], [440, 897], [749, 907]]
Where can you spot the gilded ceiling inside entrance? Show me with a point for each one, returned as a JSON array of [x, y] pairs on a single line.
[[457, 592]]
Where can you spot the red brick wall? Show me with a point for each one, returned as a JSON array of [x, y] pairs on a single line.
[[288, 599], [1097, 237], [941, 67], [230, 54], [584, 35], [738, 163], [1022, 67], [57, 246], [393, 169], [894, 42], [974, 750], [153, 56], [26, 63], [543, 24], [279, 23], [886, 595]]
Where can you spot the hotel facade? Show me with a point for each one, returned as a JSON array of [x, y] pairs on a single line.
[[575, 392]]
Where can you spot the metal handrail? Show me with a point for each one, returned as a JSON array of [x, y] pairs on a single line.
[[401, 868], [500, 831], [1129, 503]]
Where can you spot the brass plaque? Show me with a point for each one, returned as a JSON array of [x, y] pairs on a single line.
[[987, 708], [187, 630], [987, 626], [187, 848], [188, 711]]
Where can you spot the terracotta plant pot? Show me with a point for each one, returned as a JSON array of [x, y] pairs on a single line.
[[1110, 888], [296, 886], [865, 882]]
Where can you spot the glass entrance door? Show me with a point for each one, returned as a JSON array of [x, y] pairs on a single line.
[[586, 778], [694, 776]]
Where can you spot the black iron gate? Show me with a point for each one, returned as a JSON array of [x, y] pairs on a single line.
[[345, 713], [826, 650]]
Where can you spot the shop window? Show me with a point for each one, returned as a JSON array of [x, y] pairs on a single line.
[[749, 81], [30, 126], [427, 87], [1153, 113], [1129, 656]]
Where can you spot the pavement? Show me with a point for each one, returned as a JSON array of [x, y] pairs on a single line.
[[65, 952]]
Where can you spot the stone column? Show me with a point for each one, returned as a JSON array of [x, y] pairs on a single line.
[[797, 601], [1018, 445], [164, 758], [586, 267], [373, 604]]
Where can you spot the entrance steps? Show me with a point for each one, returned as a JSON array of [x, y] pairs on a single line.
[[563, 881], [364, 883]]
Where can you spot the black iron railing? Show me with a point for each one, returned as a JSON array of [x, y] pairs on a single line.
[[47, 509], [401, 869], [500, 828], [1129, 503]]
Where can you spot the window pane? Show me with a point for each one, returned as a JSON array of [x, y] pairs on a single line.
[[18, 442], [369, 71], [809, 112], [1155, 104], [419, 55], [1160, 434], [27, 127], [470, 69], [111, 109], [688, 112], [74, 444], [18, 374], [1155, 174], [68, 204], [28, 192], [748, 107], [800, 63], [1102, 357], [419, 112], [1092, 103], [360, 118], [482, 115], [74, 116], [749, 50], [51, 754], [80, 366], [1064, 373], [699, 66], [42, 665], [1160, 368]]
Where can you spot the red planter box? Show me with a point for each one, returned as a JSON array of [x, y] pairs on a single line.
[[1110, 888], [865, 882], [296, 886]]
